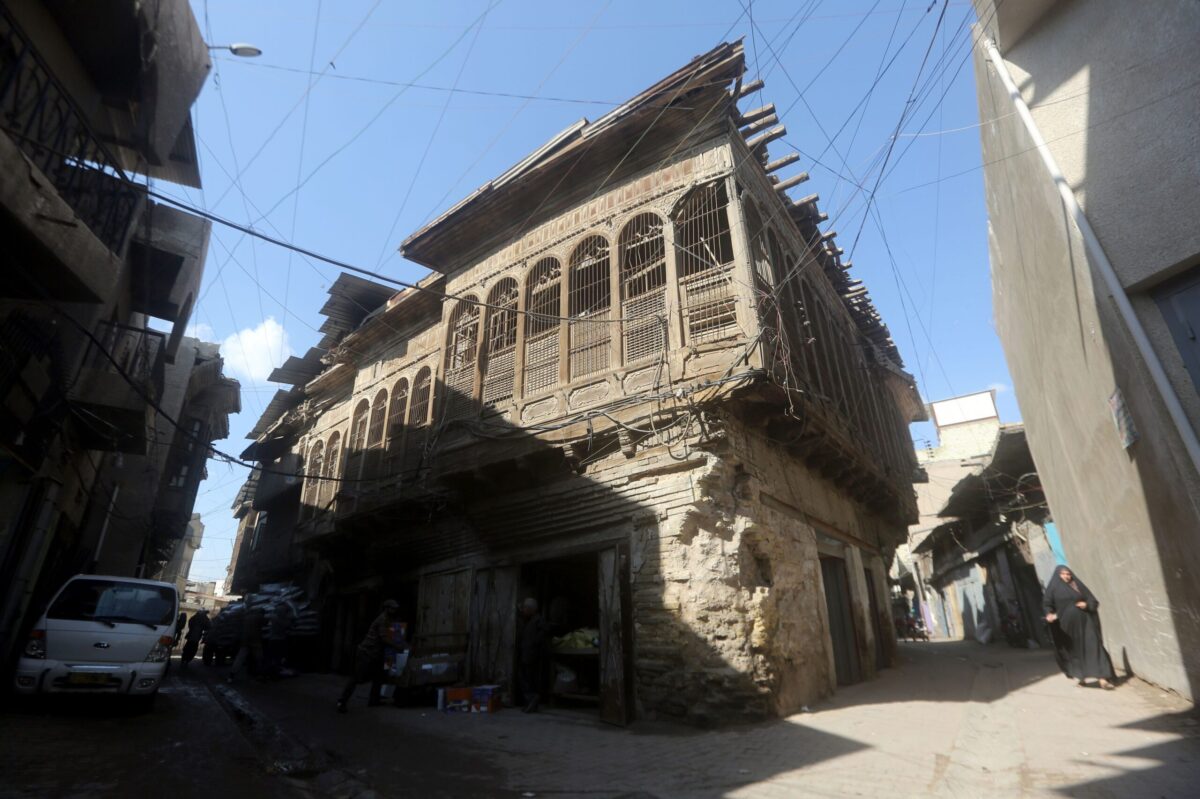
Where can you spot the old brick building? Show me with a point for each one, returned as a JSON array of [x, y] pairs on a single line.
[[640, 386]]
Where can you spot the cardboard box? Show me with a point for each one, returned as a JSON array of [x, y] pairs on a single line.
[[454, 700], [485, 699]]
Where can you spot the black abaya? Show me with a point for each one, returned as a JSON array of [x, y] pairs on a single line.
[[1078, 639]]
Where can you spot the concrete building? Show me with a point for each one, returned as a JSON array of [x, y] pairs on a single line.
[[202, 596], [984, 565], [640, 387], [91, 470], [180, 563], [966, 429], [1092, 174]]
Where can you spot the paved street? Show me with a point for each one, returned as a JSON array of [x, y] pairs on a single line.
[[955, 719], [82, 748]]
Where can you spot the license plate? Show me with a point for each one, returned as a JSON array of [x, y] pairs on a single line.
[[80, 678]]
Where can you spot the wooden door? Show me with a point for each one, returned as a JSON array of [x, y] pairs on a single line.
[[876, 626], [493, 626], [442, 612], [614, 695], [841, 621]]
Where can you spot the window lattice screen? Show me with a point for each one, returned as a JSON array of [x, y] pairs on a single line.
[[460, 359], [706, 264], [312, 487], [500, 344], [329, 488], [643, 267], [590, 304], [355, 451], [543, 308], [379, 408], [418, 421], [396, 429]]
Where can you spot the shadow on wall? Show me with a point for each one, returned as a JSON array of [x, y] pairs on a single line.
[[710, 608]]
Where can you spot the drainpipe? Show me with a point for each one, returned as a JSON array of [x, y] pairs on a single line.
[[1165, 390]]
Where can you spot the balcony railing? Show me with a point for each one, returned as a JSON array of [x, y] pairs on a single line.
[[41, 118], [139, 352]]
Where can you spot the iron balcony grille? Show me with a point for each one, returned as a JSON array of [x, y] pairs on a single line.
[[42, 120]]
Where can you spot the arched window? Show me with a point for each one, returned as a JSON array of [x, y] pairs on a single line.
[[312, 485], [462, 346], [589, 306], [396, 427], [418, 422], [764, 279], [500, 343], [781, 274], [379, 408], [543, 309], [357, 444], [760, 257], [643, 265], [329, 488], [787, 290], [706, 264]]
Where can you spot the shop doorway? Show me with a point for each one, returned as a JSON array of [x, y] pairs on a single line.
[[583, 598], [841, 620]]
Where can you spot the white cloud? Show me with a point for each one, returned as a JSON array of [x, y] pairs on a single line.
[[201, 331], [999, 388], [253, 353]]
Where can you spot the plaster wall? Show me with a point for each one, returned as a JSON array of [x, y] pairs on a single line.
[[1113, 86], [1129, 519]]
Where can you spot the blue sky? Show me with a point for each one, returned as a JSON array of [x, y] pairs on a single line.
[[332, 151]]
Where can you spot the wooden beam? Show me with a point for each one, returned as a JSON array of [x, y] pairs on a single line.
[[763, 138], [780, 163], [756, 114], [794, 180], [812, 198], [750, 88], [760, 125]]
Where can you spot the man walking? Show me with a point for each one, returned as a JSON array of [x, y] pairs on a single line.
[[197, 626], [368, 659], [532, 649]]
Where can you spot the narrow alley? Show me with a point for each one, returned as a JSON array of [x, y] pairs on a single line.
[[954, 719]]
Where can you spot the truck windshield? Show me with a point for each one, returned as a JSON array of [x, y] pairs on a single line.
[[114, 601]]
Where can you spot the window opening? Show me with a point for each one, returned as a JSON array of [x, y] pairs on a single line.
[[260, 524], [500, 344], [418, 414], [543, 308], [356, 446], [461, 351], [396, 429], [329, 488], [312, 488], [706, 261], [764, 278], [379, 409], [643, 267], [590, 303]]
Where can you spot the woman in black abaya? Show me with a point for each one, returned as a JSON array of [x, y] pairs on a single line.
[[1071, 613]]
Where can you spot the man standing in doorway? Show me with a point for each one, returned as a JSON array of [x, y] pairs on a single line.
[[368, 659], [532, 650]]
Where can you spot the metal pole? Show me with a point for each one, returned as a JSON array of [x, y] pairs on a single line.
[[1103, 265]]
